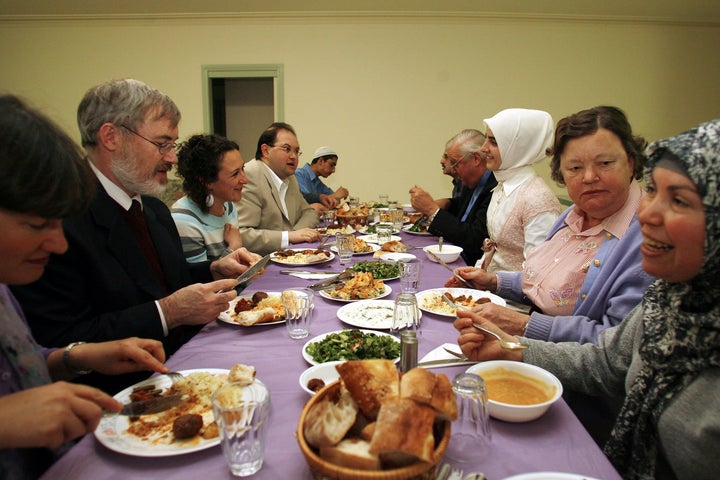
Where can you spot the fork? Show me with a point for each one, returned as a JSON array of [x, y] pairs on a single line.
[[174, 376], [456, 474], [455, 354]]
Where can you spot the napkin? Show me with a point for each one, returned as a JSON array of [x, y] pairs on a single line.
[[440, 354], [313, 276]]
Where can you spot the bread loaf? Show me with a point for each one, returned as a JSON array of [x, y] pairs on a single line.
[[394, 246], [329, 420], [253, 317], [430, 389], [370, 382], [403, 433], [242, 374], [351, 453]]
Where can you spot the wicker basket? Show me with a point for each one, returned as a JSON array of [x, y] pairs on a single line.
[[354, 220], [322, 470]]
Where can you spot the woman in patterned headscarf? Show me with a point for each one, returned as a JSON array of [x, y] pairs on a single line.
[[665, 357], [50, 180]]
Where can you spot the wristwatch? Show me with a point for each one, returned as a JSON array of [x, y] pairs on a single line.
[[66, 360]]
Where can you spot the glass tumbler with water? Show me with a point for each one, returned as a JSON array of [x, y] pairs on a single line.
[[344, 244], [470, 437], [383, 232], [298, 304], [241, 412], [406, 314], [410, 272], [397, 215]]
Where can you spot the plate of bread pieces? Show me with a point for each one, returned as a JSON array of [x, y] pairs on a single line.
[[378, 420], [255, 309]]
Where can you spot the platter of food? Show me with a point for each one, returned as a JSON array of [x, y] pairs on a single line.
[[373, 238], [153, 435], [363, 286], [368, 314], [371, 229], [351, 344], [336, 228], [317, 376], [361, 247], [255, 309], [431, 301], [301, 256], [381, 270], [416, 229]]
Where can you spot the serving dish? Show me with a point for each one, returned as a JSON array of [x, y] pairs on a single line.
[[455, 292], [369, 314], [373, 238], [277, 259], [373, 248], [323, 371], [449, 253], [325, 294], [308, 358]]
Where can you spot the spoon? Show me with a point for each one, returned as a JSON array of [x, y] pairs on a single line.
[[506, 344], [440, 244]]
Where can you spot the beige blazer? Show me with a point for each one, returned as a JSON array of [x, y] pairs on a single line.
[[260, 216]]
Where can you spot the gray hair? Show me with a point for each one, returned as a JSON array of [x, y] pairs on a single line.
[[122, 102], [469, 140]]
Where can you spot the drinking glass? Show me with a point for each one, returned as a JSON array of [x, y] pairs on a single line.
[[241, 413], [383, 232], [397, 215], [345, 243], [298, 303], [470, 435], [353, 202], [327, 218], [406, 314], [384, 199], [410, 272]]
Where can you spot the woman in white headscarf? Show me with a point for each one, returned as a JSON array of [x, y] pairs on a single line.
[[522, 208]]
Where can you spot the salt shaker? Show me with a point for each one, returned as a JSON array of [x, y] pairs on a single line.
[[408, 350], [470, 437]]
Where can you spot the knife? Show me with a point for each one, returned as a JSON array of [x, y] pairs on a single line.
[[153, 405], [248, 274], [326, 272], [441, 262], [450, 362], [333, 281]]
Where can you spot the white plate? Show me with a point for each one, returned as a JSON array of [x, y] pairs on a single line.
[[310, 360], [383, 279], [227, 315], [372, 238], [373, 246], [476, 294], [397, 256], [324, 371], [549, 476], [324, 294], [279, 260], [111, 431], [372, 314], [364, 229], [345, 229], [406, 229]]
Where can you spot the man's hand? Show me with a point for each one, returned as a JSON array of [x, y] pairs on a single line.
[[199, 303], [341, 193], [233, 264], [328, 201], [422, 201], [303, 235]]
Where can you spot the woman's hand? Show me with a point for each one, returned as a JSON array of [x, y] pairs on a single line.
[[506, 319], [478, 346], [232, 236], [478, 277], [51, 415]]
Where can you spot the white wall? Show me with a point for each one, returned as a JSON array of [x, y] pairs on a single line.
[[385, 92]]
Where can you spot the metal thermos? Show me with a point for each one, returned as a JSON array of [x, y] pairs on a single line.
[[408, 350]]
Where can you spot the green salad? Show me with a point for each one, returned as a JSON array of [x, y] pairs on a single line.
[[380, 270], [354, 345]]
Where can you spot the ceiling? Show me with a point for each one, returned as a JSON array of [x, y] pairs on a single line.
[[701, 12]]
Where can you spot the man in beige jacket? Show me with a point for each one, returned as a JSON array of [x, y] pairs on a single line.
[[272, 213]]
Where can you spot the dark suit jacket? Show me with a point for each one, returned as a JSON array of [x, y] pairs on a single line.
[[102, 288], [468, 234]]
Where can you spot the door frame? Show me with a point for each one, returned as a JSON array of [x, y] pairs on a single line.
[[274, 71]]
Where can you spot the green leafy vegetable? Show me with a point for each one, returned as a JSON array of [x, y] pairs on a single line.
[[354, 345], [380, 270]]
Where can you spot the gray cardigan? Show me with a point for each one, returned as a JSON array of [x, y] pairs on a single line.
[[689, 428]]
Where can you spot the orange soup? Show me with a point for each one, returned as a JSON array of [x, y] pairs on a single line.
[[506, 386]]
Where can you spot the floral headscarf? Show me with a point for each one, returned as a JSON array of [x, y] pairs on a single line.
[[681, 321]]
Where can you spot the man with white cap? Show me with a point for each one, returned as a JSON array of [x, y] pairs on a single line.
[[313, 189]]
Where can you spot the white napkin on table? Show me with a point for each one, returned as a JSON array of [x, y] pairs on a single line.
[[313, 276], [439, 353]]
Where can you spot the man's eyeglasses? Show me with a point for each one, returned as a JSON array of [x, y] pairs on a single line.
[[163, 148], [288, 149], [454, 163]]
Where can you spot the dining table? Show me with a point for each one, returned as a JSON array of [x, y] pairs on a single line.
[[555, 442]]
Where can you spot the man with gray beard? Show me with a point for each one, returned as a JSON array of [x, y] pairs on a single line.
[[124, 273]]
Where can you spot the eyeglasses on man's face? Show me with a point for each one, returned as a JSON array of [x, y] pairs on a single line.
[[288, 149], [163, 148], [452, 162]]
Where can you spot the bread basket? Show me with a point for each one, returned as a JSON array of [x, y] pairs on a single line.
[[355, 219], [322, 469]]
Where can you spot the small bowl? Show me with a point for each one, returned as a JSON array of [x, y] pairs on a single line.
[[449, 254], [324, 371], [541, 378]]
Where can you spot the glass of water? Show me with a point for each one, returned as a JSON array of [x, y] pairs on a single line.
[[410, 272], [345, 242], [406, 314]]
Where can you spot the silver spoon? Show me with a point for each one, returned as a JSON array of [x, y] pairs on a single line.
[[440, 244], [506, 344]]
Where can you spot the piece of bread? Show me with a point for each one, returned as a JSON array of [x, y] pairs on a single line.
[[351, 453], [394, 246], [242, 374], [403, 433], [368, 431], [370, 382], [430, 389], [253, 317], [327, 422]]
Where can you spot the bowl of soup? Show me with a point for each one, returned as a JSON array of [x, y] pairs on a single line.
[[517, 392]]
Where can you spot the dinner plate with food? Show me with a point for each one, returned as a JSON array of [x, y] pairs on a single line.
[[371, 229], [381, 270], [336, 228], [416, 229], [363, 286], [361, 247], [351, 344], [255, 309], [431, 301], [373, 238], [368, 314], [301, 256], [175, 431]]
